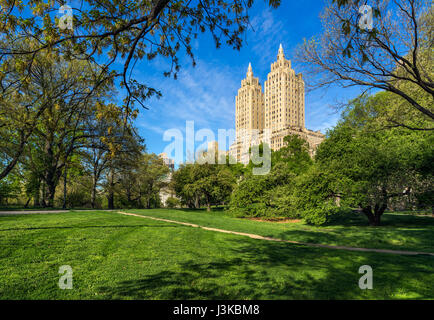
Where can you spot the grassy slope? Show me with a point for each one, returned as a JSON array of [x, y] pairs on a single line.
[[124, 257], [398, 232]]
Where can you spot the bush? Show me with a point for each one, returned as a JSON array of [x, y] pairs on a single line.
[[324, 214], [172, 202], [265, 196], [76, 199]]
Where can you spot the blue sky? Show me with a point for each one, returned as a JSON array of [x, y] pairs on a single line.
[[206, 93]]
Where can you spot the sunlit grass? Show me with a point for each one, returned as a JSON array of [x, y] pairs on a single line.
[[397, 232], [124, 257]]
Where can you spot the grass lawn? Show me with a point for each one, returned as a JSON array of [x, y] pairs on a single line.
[[125, 257], [398, 231]]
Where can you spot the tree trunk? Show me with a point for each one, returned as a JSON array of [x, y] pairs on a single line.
[[51, 180], [208, 204], [65, 174], [95, 178], [51, 193], [111, 196], [44, 196], [129, 194], [110, 199], [93, 195], [36, 196], [374, 217], [27, 203]]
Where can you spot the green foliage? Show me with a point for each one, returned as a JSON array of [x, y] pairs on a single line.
[[172, 202], [348, 54], [248, 198], [295, 154], [10, 188], [359, 165], [325, 213], [209, 184], [139, 177], [78, 198], [128, 30], [374, 169], [181, 179], [272, 195], [312, 189]]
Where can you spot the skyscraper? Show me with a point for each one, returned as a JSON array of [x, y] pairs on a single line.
[[249, 104], [284, 96], [249, 111], [279, 112]]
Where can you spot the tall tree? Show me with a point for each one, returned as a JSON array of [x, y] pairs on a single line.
[[368, 169], [142, 184], [127, 30], [107, 135], [63, 126], [29, 90], [395, 55], [123, 158]]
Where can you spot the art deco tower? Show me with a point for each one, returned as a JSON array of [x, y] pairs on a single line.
[[249, 105], [280, 109], [284, 96]]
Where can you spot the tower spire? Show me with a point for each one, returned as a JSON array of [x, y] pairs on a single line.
[[280, 54], [249, 70]]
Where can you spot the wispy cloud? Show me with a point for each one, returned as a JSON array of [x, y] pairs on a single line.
[[204, 94], [269, 33]]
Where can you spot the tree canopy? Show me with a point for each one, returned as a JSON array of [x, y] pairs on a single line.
[[107, 31], [394, 56]]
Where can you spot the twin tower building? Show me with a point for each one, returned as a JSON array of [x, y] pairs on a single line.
[[270, 115]]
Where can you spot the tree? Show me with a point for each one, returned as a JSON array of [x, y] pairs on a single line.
[[249, 197], [172, 202], [128, 30], [394, 56], [63, 126], [213, 182], [49, 80], [210, 184], [123, 159], [107, 134], [10, 188], [152, 178], [144, 181], [295, 153], [272, 195], [368, 169]]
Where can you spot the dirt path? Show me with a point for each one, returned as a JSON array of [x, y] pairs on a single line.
[[17, 212], [255, 236]]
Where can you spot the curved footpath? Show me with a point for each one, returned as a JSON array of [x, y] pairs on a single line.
[[255, 236], [250, 235]]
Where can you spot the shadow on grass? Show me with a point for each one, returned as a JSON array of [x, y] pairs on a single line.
[[387, 220], [107, 226], [256, 270], [397, 232]]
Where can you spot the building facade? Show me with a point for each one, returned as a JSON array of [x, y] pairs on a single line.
[[166, 192], [271, 115], [249, 104]]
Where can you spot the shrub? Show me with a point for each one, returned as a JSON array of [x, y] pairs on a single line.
[[172, 202], [76, 198], [324, 214]]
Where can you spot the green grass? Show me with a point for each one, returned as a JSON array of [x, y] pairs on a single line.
[[398, 231], [125, 257]]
